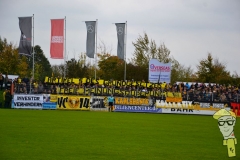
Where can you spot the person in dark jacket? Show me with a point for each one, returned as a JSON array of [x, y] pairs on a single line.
[[6, 81], [8, 99], [1, 81]]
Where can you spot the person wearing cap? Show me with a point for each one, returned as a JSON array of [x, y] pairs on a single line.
[[226, 122]]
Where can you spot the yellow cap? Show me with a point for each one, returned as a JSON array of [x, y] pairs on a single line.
[[223, 112]]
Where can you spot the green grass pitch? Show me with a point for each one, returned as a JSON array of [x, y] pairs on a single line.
[[70, 135]]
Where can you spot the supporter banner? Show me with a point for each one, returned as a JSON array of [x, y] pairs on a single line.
[[107, 91], [187, 111], [49, 105], [61, 80], [144, 109], [28, 101], [98, 103], [132, 101], [236, 108], [73, 102], [159, 72], [192, 105]]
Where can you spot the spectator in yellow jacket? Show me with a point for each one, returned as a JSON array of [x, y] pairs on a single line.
[[4, 93]]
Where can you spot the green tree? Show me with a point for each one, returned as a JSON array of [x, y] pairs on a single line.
[[10, 61], [236, 79], [211, 70], [23, 66], [181, 73], [111, 67], [57, 70], [72, 68], [78, 67], [146, 49], [42, 66], [138, 73]]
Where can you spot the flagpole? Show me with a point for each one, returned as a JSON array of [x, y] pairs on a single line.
[[96, 47], [125, 41], [33, 47], [64, 58]]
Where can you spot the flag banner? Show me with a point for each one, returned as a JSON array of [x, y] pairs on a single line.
[[25, 44], [57, 38], [121, 36], [159, 72], [90, 51]]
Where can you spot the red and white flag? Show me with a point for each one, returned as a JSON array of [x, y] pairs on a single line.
[[57, 38]]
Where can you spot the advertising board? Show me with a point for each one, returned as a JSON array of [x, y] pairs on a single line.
[[187, 111], [73, 102], [143, 109], [28, 101], [98, 103]]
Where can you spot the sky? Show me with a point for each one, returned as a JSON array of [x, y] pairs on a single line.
[[190, 29]]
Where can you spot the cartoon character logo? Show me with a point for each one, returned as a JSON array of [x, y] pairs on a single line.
[[226, 122], [73, 102]]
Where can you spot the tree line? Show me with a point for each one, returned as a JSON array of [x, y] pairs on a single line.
[[108, 67]]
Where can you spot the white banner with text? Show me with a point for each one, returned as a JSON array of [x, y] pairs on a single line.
[[187, 111], [28, 101], [159, 72]]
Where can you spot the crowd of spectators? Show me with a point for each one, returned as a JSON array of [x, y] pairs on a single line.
[[210, 92], [188, 91]]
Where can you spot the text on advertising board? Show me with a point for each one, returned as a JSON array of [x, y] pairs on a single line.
[[28, 101], [124, 108], [191, 105], [73, 102], [131, 101]]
